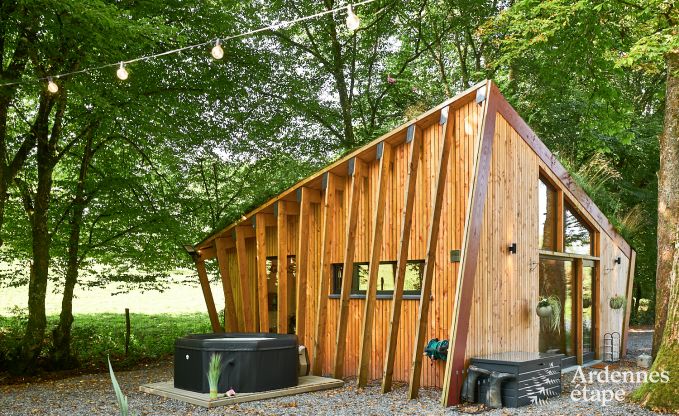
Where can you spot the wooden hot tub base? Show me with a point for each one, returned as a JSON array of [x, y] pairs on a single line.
[[306, 384]]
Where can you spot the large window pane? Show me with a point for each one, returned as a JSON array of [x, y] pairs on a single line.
[[578, 237], [547, 219], [272, 291], [557, 278]]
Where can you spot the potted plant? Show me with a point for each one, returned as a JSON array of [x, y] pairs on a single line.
[[617, 302], [213, 373], [549, 310]]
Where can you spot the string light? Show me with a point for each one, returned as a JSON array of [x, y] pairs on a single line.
[[217, 51], [52, 86], [122, 72], [353, 22]]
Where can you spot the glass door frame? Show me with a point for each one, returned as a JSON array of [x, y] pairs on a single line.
[[580, 260]]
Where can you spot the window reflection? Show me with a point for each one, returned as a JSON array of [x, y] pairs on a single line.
[[578, 237], [385, 277], [547, 220]]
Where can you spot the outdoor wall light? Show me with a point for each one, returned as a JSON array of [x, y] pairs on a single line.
[[618, 260], [512, 248]]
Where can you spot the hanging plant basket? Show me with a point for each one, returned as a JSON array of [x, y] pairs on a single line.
[[617, 302], [549, 311], [544, 311]]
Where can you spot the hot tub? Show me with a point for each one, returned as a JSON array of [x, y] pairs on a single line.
[[251, 362]]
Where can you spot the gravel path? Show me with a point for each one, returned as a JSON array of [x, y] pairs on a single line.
[[92, 395]]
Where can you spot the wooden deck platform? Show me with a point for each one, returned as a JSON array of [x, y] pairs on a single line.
[[306, 384]]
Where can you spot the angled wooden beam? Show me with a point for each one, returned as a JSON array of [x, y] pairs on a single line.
[[328, 208], [231, 322], [305, 196], [471, 241], [384, 153], [447, 123], [245, 289], [207, 253], [414, 137], [282, 242], [628, 309], [260, 224], [207, 294], [356, 168]]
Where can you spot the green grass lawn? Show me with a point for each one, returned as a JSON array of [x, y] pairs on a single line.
[[97, 335]]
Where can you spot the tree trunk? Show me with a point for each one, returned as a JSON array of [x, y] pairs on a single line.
[[61, 356], [663, 396], [637, 302], [32, 342], [668, 199]]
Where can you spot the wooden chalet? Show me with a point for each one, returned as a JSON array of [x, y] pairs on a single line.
[[452, 226]]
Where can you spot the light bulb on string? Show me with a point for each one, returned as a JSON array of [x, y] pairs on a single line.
[[121, 73], [217, 51], [353, 21], [52, 86]]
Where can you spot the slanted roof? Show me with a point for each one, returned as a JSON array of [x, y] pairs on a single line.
[[398, 136]]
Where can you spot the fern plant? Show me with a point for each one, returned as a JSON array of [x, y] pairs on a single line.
[[122, 399], [213, 373], [553, 321]]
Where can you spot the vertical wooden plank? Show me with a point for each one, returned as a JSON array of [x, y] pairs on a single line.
[[452, 383], [447, 123], [578, 310], [415, 138], [245, 296], [230, 316], [282, 236], [324, 272], [356, 173], [207, 294], [262, 288], [374, 265], [628, 308], [306, 196]]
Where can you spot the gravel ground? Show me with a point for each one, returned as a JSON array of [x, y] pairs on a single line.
[[92, 395]]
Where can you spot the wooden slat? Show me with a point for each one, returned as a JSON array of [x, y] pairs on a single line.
[[328, 217], [348, 267], [374, 265], [282, 237], [306, 384], [578, 310], [628, 309], [394, 137], [207, 294], [306, 197], [447, 122], [231, 322], [415, 138], [245, 286], [453, 376], [262, 286]]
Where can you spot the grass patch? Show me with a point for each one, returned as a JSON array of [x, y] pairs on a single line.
[[94, 336]]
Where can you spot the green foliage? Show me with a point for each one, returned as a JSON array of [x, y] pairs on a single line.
[[617, 302], [96, 336], [554, 320], [120, 397], [213, 373]]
